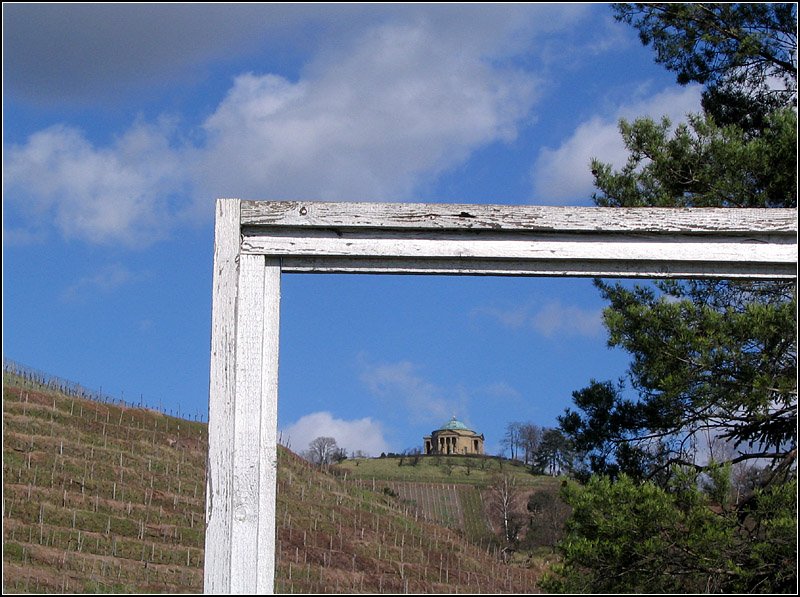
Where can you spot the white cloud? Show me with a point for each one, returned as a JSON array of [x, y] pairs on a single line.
[[406, 393], [510, 317], [122, 193], [364, 434], [387, 99], [551, 319], [33, 234], [84, 52], [563, 175], [370, 121], [402, 388], [555, 319], [106, 280]]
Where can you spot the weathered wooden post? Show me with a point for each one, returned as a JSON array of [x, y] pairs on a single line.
[[243, 409], [256, 241]]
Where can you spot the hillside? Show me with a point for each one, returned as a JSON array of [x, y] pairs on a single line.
[[99, 497], [102, 497], [367, 540], [453, 491], [471, 470]]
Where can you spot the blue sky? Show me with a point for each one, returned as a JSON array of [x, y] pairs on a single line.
[[123, 122]]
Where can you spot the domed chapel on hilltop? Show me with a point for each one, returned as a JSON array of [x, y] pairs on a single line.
[[453, 438]]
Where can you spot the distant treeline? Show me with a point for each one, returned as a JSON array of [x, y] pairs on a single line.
[[40, 379]]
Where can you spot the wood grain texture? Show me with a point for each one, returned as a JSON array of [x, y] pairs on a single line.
[[247, 413], [444, 216], [268, 429], [523, 240], [255, 427], [542, 268], [520, 246], [219, 474], [256, 241]]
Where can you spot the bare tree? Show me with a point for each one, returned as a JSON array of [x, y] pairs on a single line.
[[522, 440], [530, 436], [323, 451], [505, 504], [548, 514], [511, 440]]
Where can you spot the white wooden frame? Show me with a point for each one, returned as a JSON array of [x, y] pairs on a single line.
[[256, 241]]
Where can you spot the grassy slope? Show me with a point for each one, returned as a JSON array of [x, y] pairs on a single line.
[[104, 498], [99, 497], [471, 470], [368, 541], [450, 490]]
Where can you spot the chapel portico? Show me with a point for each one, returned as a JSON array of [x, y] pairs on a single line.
[[454, 437]]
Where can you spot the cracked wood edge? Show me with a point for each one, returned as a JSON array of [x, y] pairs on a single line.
[[518, 217]]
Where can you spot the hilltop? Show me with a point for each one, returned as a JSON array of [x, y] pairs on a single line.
[[453, 491], [105, 497], [470, 470]]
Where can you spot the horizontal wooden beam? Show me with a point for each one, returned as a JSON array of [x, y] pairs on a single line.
[[533, 268], [255, 242], [445, 216], [522, 240]]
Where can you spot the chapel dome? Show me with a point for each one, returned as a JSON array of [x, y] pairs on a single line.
[[453, 438], [454, 424]]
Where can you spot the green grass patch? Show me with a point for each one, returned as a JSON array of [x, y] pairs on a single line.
[[13, 552], [470, 470], [475, 526]]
